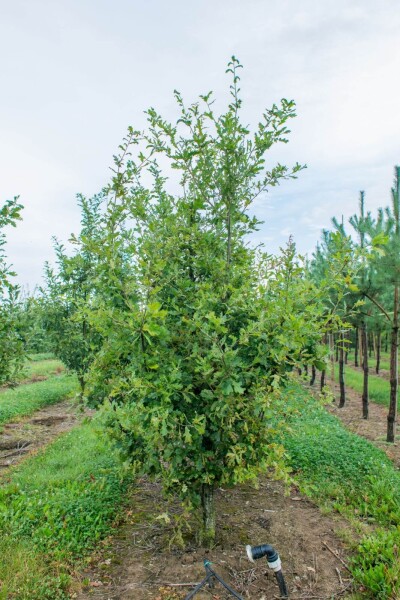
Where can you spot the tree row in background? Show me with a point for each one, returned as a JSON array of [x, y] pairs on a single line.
[[372, 307]]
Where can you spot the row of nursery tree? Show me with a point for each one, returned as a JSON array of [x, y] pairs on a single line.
[[181, 332], [372, 306]]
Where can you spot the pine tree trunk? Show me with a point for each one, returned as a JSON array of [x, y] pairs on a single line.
[[313, 375], [378, 352], [306, 370], [364, 350], [394, 370], [337, 349], [341, 373], [356, 349], [208, 508], [360, 347]]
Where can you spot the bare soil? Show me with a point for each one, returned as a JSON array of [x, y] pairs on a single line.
[[25, 436], [138, 564]]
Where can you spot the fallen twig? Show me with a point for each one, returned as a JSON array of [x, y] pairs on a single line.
[[336, 556], [17, 451]]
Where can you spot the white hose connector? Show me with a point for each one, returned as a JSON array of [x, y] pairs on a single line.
[[249, 554], [276, 565]]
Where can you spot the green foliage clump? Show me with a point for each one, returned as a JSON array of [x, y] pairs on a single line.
[[68, 295], [199, 329], [11, 345]]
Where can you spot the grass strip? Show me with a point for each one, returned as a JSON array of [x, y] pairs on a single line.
[[38, 356], [347, 473], [44, 368], [26, 399], [53, 511], [378, 387], [384, 361]]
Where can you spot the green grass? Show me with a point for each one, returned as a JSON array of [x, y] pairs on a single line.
[[347, 473], [26, 399], [54, 510], [384, 362], [378, 387], [40, 356], [44, 368]]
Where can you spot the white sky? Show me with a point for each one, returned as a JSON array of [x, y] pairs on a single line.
[[74, 74]]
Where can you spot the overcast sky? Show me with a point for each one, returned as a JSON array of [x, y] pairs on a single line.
[[74, 74]]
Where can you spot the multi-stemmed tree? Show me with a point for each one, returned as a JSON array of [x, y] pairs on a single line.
[[199, 329]]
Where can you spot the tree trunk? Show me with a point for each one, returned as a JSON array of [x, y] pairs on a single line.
[[364, 350], [332, 357], [394, 370], [356, 349], [341, 373], [337, 349], [313, 375], [360, 347], [82, 384], [322, 385], [208, 507], [306, 370], [378, 352]]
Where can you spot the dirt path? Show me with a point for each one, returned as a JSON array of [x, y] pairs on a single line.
[[25, 436], [138, 564]]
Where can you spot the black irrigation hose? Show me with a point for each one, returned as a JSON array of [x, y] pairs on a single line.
[[282, 584], [254, 553], [274, 563], [210, 574]]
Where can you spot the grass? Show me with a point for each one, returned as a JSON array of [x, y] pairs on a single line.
[[26, 399], [346, 473], [384, 362], [43, 368], [54, 510], [378, 387], [39, 356]]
